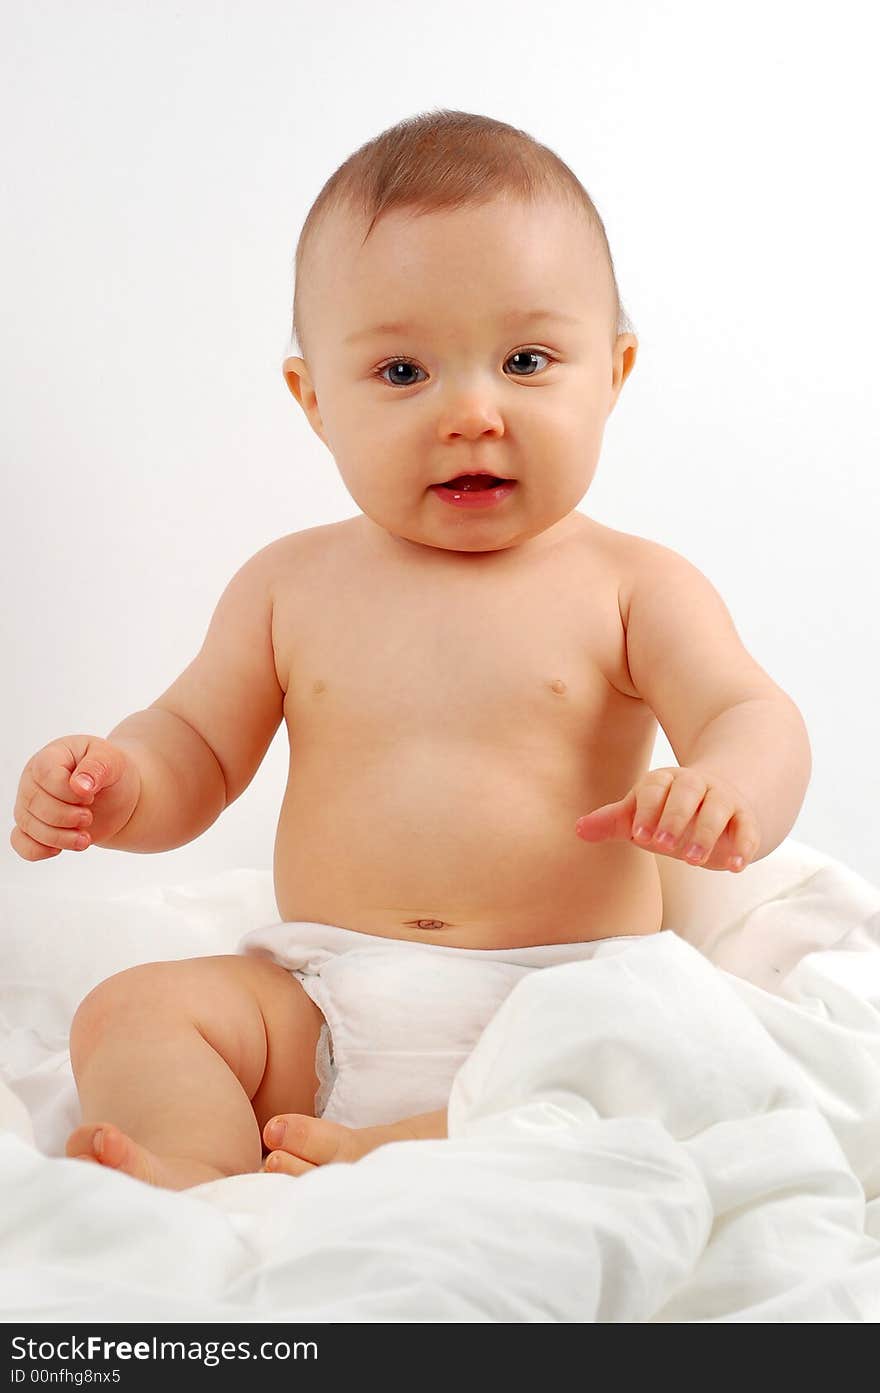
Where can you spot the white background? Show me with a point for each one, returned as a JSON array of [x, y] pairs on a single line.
[[157, 164]]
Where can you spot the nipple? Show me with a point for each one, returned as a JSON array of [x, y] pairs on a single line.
[[558, 686]]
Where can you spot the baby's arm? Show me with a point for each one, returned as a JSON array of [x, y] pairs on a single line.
[[200, 743], [742, 746], [165, 774]]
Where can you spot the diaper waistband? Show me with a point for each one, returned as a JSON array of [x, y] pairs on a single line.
[[314, 942]]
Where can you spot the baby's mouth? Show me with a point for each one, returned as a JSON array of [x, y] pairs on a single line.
[[465, 483]]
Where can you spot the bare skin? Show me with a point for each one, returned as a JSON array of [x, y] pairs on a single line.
[[302, 1144], [450, 733]]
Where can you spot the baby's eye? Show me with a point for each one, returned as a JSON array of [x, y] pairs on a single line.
[[407, 363], [396, 363], [528, 353]]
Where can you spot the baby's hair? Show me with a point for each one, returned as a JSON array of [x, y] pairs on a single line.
[[443, 160]]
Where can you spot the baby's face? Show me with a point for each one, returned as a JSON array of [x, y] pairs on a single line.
[[483, 386]]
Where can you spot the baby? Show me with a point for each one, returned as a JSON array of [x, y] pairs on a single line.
[[471, 672]]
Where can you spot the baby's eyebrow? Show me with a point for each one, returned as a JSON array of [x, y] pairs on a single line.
[[514, 317]]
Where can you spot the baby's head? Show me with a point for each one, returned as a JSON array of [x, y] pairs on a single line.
[[419, 270]]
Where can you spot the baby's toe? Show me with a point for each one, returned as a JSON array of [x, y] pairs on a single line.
[[308, 1138], [80, 1145], [282, 1163], [109, 1146]]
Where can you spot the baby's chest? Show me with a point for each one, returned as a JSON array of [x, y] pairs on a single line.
[[496, 665]]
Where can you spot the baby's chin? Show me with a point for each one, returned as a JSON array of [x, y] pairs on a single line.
[[415, 536], [499, 536], [435, 540], [462, 535]]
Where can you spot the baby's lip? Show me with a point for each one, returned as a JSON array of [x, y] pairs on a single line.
[[474, 474]]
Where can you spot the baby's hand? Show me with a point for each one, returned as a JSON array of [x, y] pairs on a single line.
[[680, 812], [55, 812]]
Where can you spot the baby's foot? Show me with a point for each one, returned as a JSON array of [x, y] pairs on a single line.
[[302, 1143], [106, 1144]]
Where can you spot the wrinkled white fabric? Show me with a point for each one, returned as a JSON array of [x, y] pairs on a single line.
[[683, 1128]]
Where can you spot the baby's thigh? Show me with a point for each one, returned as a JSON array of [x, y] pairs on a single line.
[[254, 1013]]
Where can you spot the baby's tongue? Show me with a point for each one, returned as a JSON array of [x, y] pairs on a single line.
[[472, 482]]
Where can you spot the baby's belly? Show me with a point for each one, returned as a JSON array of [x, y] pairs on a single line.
[[447, 844]]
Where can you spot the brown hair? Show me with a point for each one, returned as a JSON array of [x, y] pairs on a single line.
[[444, 160]]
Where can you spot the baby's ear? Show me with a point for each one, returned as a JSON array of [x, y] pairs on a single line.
[[295, 375], [299, 381], [624, 360]]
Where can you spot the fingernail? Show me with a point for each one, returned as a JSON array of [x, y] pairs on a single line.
[[274, 1132], [641, 834], [736, 863], [694, 852], [85, 781], [98, 1141]]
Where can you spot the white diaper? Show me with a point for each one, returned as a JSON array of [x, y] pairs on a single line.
[[400, 1017]]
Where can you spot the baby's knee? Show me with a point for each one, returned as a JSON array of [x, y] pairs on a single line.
[[146, 991]]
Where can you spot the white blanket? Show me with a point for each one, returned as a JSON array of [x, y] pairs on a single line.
[[681, 1129]]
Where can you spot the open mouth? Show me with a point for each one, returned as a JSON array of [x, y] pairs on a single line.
[[479, 492], [468, 483]]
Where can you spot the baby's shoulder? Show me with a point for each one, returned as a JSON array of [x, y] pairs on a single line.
[[625, 555], [634, 564], [296, 550], [644, 566]]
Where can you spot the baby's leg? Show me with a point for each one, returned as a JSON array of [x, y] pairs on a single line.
[[179, 1065]]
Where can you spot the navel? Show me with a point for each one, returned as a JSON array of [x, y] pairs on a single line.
[[425, 924], [319, 686], [558, 686]]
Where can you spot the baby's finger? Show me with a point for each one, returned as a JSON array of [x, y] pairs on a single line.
[[28, 849], [685, 796], [54, 811], [651, 796], [49, 771], [712, 817], [65, 839], [746, 837]]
